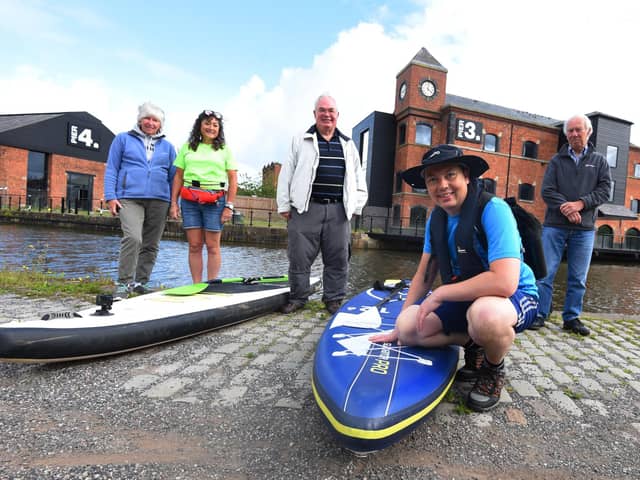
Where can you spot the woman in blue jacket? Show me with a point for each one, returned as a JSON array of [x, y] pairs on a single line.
[[137, 188]]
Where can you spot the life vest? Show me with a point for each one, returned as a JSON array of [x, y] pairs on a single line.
[[469, 262]]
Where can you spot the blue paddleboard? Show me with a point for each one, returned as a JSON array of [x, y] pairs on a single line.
[[373, 394]]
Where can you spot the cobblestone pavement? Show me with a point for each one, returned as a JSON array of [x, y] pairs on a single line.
[[237, 403]]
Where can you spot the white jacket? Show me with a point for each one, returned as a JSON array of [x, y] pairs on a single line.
[[299, 170]]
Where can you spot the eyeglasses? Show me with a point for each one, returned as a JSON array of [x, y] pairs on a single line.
[[212, 113]]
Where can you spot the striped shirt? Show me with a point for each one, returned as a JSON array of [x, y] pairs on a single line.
[[331, 169]]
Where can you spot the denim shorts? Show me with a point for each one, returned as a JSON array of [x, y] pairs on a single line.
[[205, 216], [453, 315]]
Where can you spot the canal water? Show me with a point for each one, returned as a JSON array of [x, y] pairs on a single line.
[[611, 288]]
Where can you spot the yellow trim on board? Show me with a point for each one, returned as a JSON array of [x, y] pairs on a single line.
[[377, 434]]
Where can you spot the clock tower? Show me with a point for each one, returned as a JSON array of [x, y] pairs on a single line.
[[421, 85], [420, 96]]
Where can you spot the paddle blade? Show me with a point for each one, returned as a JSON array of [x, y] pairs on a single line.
[[186, 289], [370, 318]]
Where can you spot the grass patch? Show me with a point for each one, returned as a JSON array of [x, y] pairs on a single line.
[[30, 283]]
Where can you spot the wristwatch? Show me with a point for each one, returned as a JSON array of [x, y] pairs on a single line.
[[229, 206]]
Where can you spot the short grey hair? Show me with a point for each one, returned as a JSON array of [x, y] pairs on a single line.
[[324, 95], [586, 120]]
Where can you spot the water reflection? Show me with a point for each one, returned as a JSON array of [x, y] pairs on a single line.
[[610, 288]]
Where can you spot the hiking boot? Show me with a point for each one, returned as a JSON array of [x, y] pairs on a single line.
[[122, 291], [576, 326], [333, 306], [141, 288], [485, 394], [291, 307], [537, 323], [473, 357]]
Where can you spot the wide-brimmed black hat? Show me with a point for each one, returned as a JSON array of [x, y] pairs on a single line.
[[444, 154]]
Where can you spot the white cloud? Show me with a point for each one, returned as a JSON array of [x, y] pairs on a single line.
[[550, 58]]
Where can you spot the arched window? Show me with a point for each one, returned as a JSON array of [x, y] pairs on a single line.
[[423, 134], [490, 142], [526, 192], [632, 239], [604, 237], [418, 217], [530, 149]]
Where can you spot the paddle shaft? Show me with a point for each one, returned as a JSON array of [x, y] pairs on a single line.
[[399, 286]]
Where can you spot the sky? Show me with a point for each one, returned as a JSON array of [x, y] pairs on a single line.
[[263, 64]]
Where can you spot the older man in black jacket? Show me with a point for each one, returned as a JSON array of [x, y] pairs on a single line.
[[576, 182]]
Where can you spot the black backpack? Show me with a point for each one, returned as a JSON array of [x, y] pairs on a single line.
[[530, 231]]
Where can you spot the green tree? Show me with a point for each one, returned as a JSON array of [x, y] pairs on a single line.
[[249, 186]]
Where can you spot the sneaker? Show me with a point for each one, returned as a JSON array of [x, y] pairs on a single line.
[[141, 288], [485, 394], [292, 307], [576, 326], [333, 306], [473, 357], [122, 291], [537, 323]]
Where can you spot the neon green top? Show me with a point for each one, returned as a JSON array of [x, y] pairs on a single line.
[[206, 165]]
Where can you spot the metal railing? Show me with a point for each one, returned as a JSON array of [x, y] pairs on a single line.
[[242, 216]]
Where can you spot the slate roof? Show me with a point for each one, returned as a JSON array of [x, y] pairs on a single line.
[[609, 210], [14, 121], [497, 110]]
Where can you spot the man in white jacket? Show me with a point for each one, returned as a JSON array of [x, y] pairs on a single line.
[[320, 187]]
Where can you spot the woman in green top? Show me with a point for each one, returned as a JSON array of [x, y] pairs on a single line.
[[206, 182]]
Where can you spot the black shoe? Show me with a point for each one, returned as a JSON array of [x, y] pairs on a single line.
[[292, 307], [537, 323], [485, 394], [576, 326], [333, 306], [473, 357]]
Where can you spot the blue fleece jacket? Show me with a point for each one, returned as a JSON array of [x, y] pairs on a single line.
[[130, 175]]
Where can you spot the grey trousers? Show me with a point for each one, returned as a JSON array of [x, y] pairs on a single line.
[[142, 222], [323, 228]]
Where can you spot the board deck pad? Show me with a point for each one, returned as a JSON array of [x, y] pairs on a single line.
[[373, 394], [138, 322]]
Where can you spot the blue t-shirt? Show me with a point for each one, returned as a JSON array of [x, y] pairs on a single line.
[[503, 241]]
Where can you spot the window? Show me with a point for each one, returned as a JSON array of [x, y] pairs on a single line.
[[490, 143], [489, 185], [418, 217], [37, 179], [632, 239], [396, 220], [530, 149], [526, 192], [612, 191], [604, 237], [398, 187], [402, 134], [635, 205], [423, 134], [79, 191], [636, 170], [612, 156], [364, 149]]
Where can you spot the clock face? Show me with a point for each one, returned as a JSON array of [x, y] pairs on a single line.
[[428, 88], [403, 90]]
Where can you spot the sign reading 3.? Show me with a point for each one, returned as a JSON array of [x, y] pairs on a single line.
[[468, 130]]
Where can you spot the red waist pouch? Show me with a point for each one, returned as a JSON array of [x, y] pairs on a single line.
[[201, 196]]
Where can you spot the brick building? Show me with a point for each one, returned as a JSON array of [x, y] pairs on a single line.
[[517, 146], [48, 157]]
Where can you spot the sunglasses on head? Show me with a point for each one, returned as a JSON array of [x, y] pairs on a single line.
[[212, 113]]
